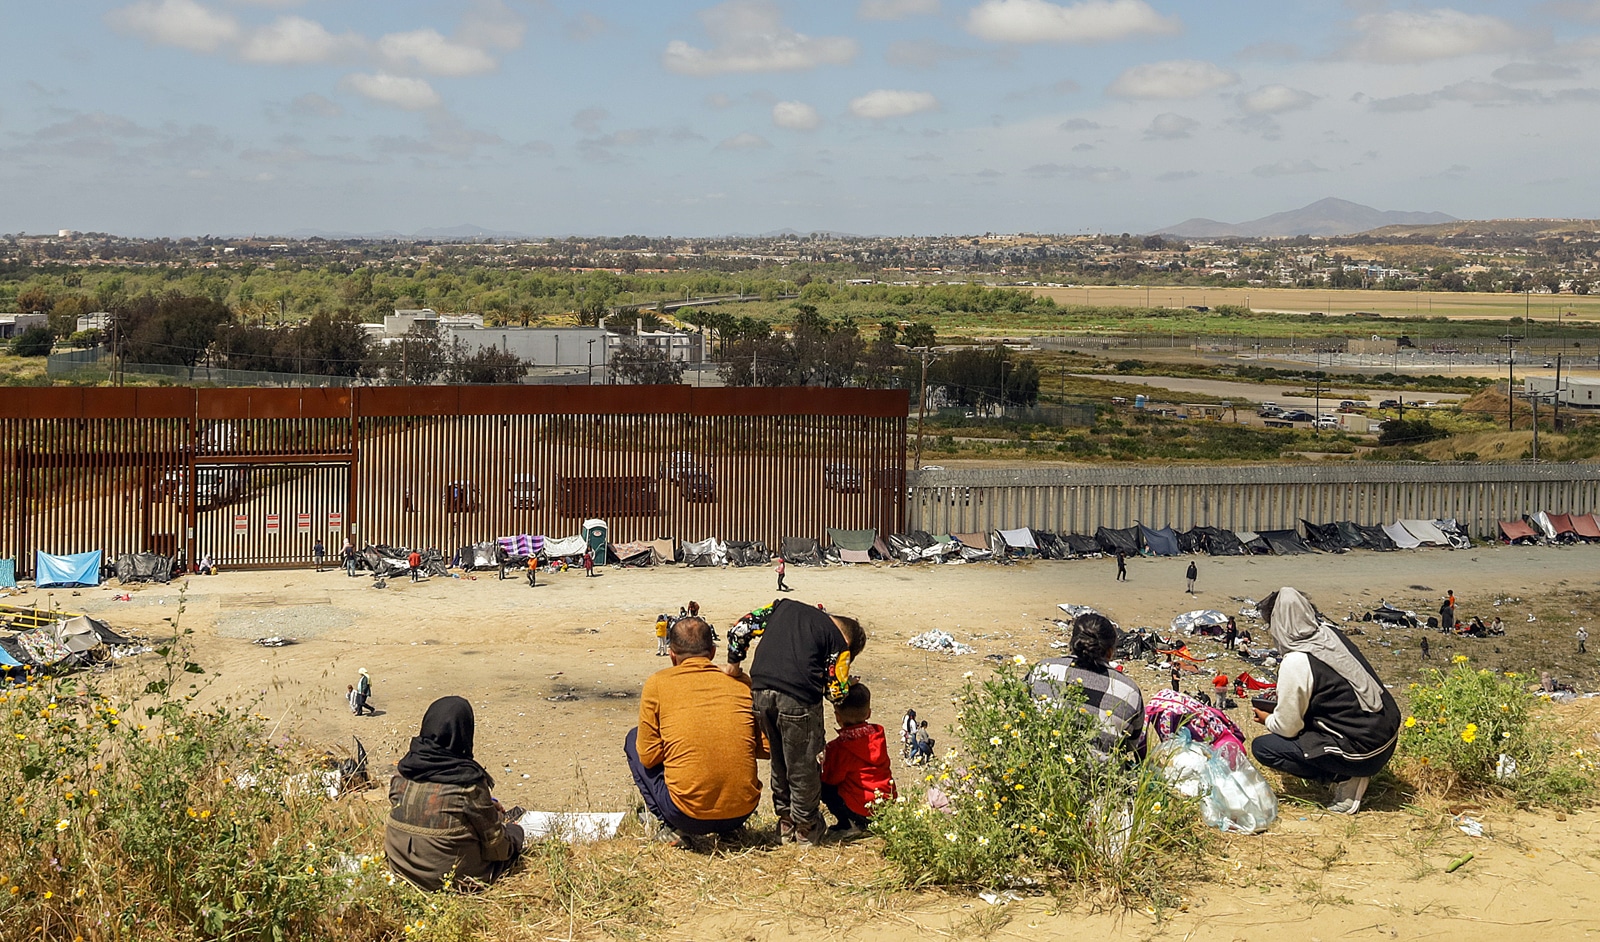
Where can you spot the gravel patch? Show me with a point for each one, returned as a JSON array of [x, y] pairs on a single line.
[[287, 621]]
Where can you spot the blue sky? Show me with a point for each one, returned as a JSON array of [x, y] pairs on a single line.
[[181, 117]]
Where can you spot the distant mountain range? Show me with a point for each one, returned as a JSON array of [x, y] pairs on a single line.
[[1327, 217]]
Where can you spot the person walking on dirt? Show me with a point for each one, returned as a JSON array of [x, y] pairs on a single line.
[[1191, 575], [349, 554], [588, 563], [1447, 611], [782, 586], [1230, 634], [1122, 567], [319, 551], [364, 693], [1583, 641], [1425, 655], [415, 562], [533, 571]]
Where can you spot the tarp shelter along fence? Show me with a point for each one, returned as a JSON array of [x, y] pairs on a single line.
[[1252, 543], [1454, 533], [858, 540], [1375, 538], [1162, 542], [72, 571], [1586, 525], [1081, 545], [712, 552], [633, 555], [801, 551], [1326, 537], [1425, 532], [1566, 531], [748, 553], [567, 546], [143, 567], [1400, 536], [1051, 545], [8, 574], [1216, 541], [1196, 622], [1018, 542], [1124, 541], [522, 545], [485, 555], [1518, 531], [1285, 542]]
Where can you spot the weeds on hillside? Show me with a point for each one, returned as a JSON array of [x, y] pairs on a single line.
[[1027, 798], [1476, 731]]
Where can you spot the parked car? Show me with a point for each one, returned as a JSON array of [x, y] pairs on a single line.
[[1327, 421], [1347, 405], [1267, 408], [1298, 415], [1389, 404]]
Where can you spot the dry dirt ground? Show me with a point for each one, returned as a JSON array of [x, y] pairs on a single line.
[[554, 673]]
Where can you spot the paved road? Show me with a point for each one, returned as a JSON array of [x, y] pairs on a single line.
[[1256, 393]]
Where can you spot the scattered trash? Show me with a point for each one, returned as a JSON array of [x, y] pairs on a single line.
[[940, 641], [1506, 768], [1469, 826], [1458, 863], [274, 641], [573, 828], [998, 899]]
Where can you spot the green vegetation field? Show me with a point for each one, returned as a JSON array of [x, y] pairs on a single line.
[[1451, 304]]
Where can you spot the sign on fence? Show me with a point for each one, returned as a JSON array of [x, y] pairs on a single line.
[[335, 520], [274, 523], [302, 523], [241, 525]]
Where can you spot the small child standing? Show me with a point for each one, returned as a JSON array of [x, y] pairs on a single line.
[[662, 624], [922, 745], [855, 766]]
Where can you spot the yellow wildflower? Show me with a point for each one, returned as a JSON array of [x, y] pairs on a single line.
[[1470, 733], [1410, 721]]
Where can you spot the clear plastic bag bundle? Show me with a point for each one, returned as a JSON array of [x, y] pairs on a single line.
[[1233, 795]]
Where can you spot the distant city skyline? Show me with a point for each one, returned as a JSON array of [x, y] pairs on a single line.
[[188, 117]]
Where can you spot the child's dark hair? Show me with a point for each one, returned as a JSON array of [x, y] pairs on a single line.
[[854, 634], [1092, 636], [856, 705]]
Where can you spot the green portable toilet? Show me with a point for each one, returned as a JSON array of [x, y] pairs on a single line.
[[596, 534]]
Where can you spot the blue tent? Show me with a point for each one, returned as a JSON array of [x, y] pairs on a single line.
[[79, 569], [8, 574], [1162, 542], [6, 660]]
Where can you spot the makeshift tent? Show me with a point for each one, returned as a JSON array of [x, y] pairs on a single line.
[[1425, 532], [1377, 538], [485, 555], [143, 567], [1454, 533], [1188, 541], [8, 574], [521, 545], [1517, 531], [971, 540], [1050, 545], [1401, 537], [666, 551], [633, 555], [1013, 542], [79, 569], [1193, 622], [801, 551], [1325, 537], [1565, 531], [1141, 643], [1541, 520], [1217, 542], [854, 556], [566, 546], [1162, 542], [1080, 545], [1285, 542], [1389, 615], [1252, 542], [384, 561], [712, 552], [1112, 541], [858, 540], [749, 553], [7, 659], [1586, 525]]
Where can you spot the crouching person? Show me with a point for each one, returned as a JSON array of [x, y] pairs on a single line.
[[444, 823], [855, 766], [1334, 722], [693, 754]]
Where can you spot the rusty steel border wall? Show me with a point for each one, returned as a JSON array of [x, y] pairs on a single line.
[[252, 477], [1247, 497]]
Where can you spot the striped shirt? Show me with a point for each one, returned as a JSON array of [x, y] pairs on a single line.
[[1114, 699]]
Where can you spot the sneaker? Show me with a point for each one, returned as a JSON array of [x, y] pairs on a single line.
[[785, 831], [1347, 795], [812, 834]]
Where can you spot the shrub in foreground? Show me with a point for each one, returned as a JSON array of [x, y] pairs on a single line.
[[1026, 798], [1463, 721]]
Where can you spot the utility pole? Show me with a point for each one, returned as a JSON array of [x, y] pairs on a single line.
[[1533, 400], [922, 400], [1555, 421], [1510, 341]]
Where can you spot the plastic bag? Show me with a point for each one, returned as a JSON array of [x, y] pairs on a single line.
[[1234, 798]]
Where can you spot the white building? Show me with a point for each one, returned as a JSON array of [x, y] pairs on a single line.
[[12, 325], [99, 320], [1577, 393]]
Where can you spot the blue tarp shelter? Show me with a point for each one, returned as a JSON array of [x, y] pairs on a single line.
[[1162, 542], [6, 660], [79, 569], [8, 574]]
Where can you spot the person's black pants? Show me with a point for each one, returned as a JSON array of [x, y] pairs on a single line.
[[796, 736], [652, 785], [1286, 756], [416, 573], [840, 810]]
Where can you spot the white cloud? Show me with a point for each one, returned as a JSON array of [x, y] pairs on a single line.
[[1090, 21], [749, 36], [182, 23], [1170, 127], [890, 103], [430, 51], [1275, 99], [1178, 78], [412, 94], [1534, 72], [313, 105], [896, 9], [1420, 36], [795, 115], [1080, 124], [1287, 167], [293, 40], [1079, 172], [1173, 176], [745, 141], [589, 119], [490, 24]]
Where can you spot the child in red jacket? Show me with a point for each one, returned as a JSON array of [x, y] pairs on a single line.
[[855, 766]]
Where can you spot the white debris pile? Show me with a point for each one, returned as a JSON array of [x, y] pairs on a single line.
[[940, 641]]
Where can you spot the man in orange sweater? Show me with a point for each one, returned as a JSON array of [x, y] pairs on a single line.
[[693, 755]]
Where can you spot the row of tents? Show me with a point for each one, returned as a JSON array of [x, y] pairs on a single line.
[[1545, 527], [1336, 537], [83, 570]]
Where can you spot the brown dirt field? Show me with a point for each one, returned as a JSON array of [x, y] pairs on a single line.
[[510, 649]]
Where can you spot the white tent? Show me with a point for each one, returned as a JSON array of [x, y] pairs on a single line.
[[1426, 533], [1401, 536], [1542, 521], [567, 546], [1192, 622], [712, 552], [1002, 540]]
